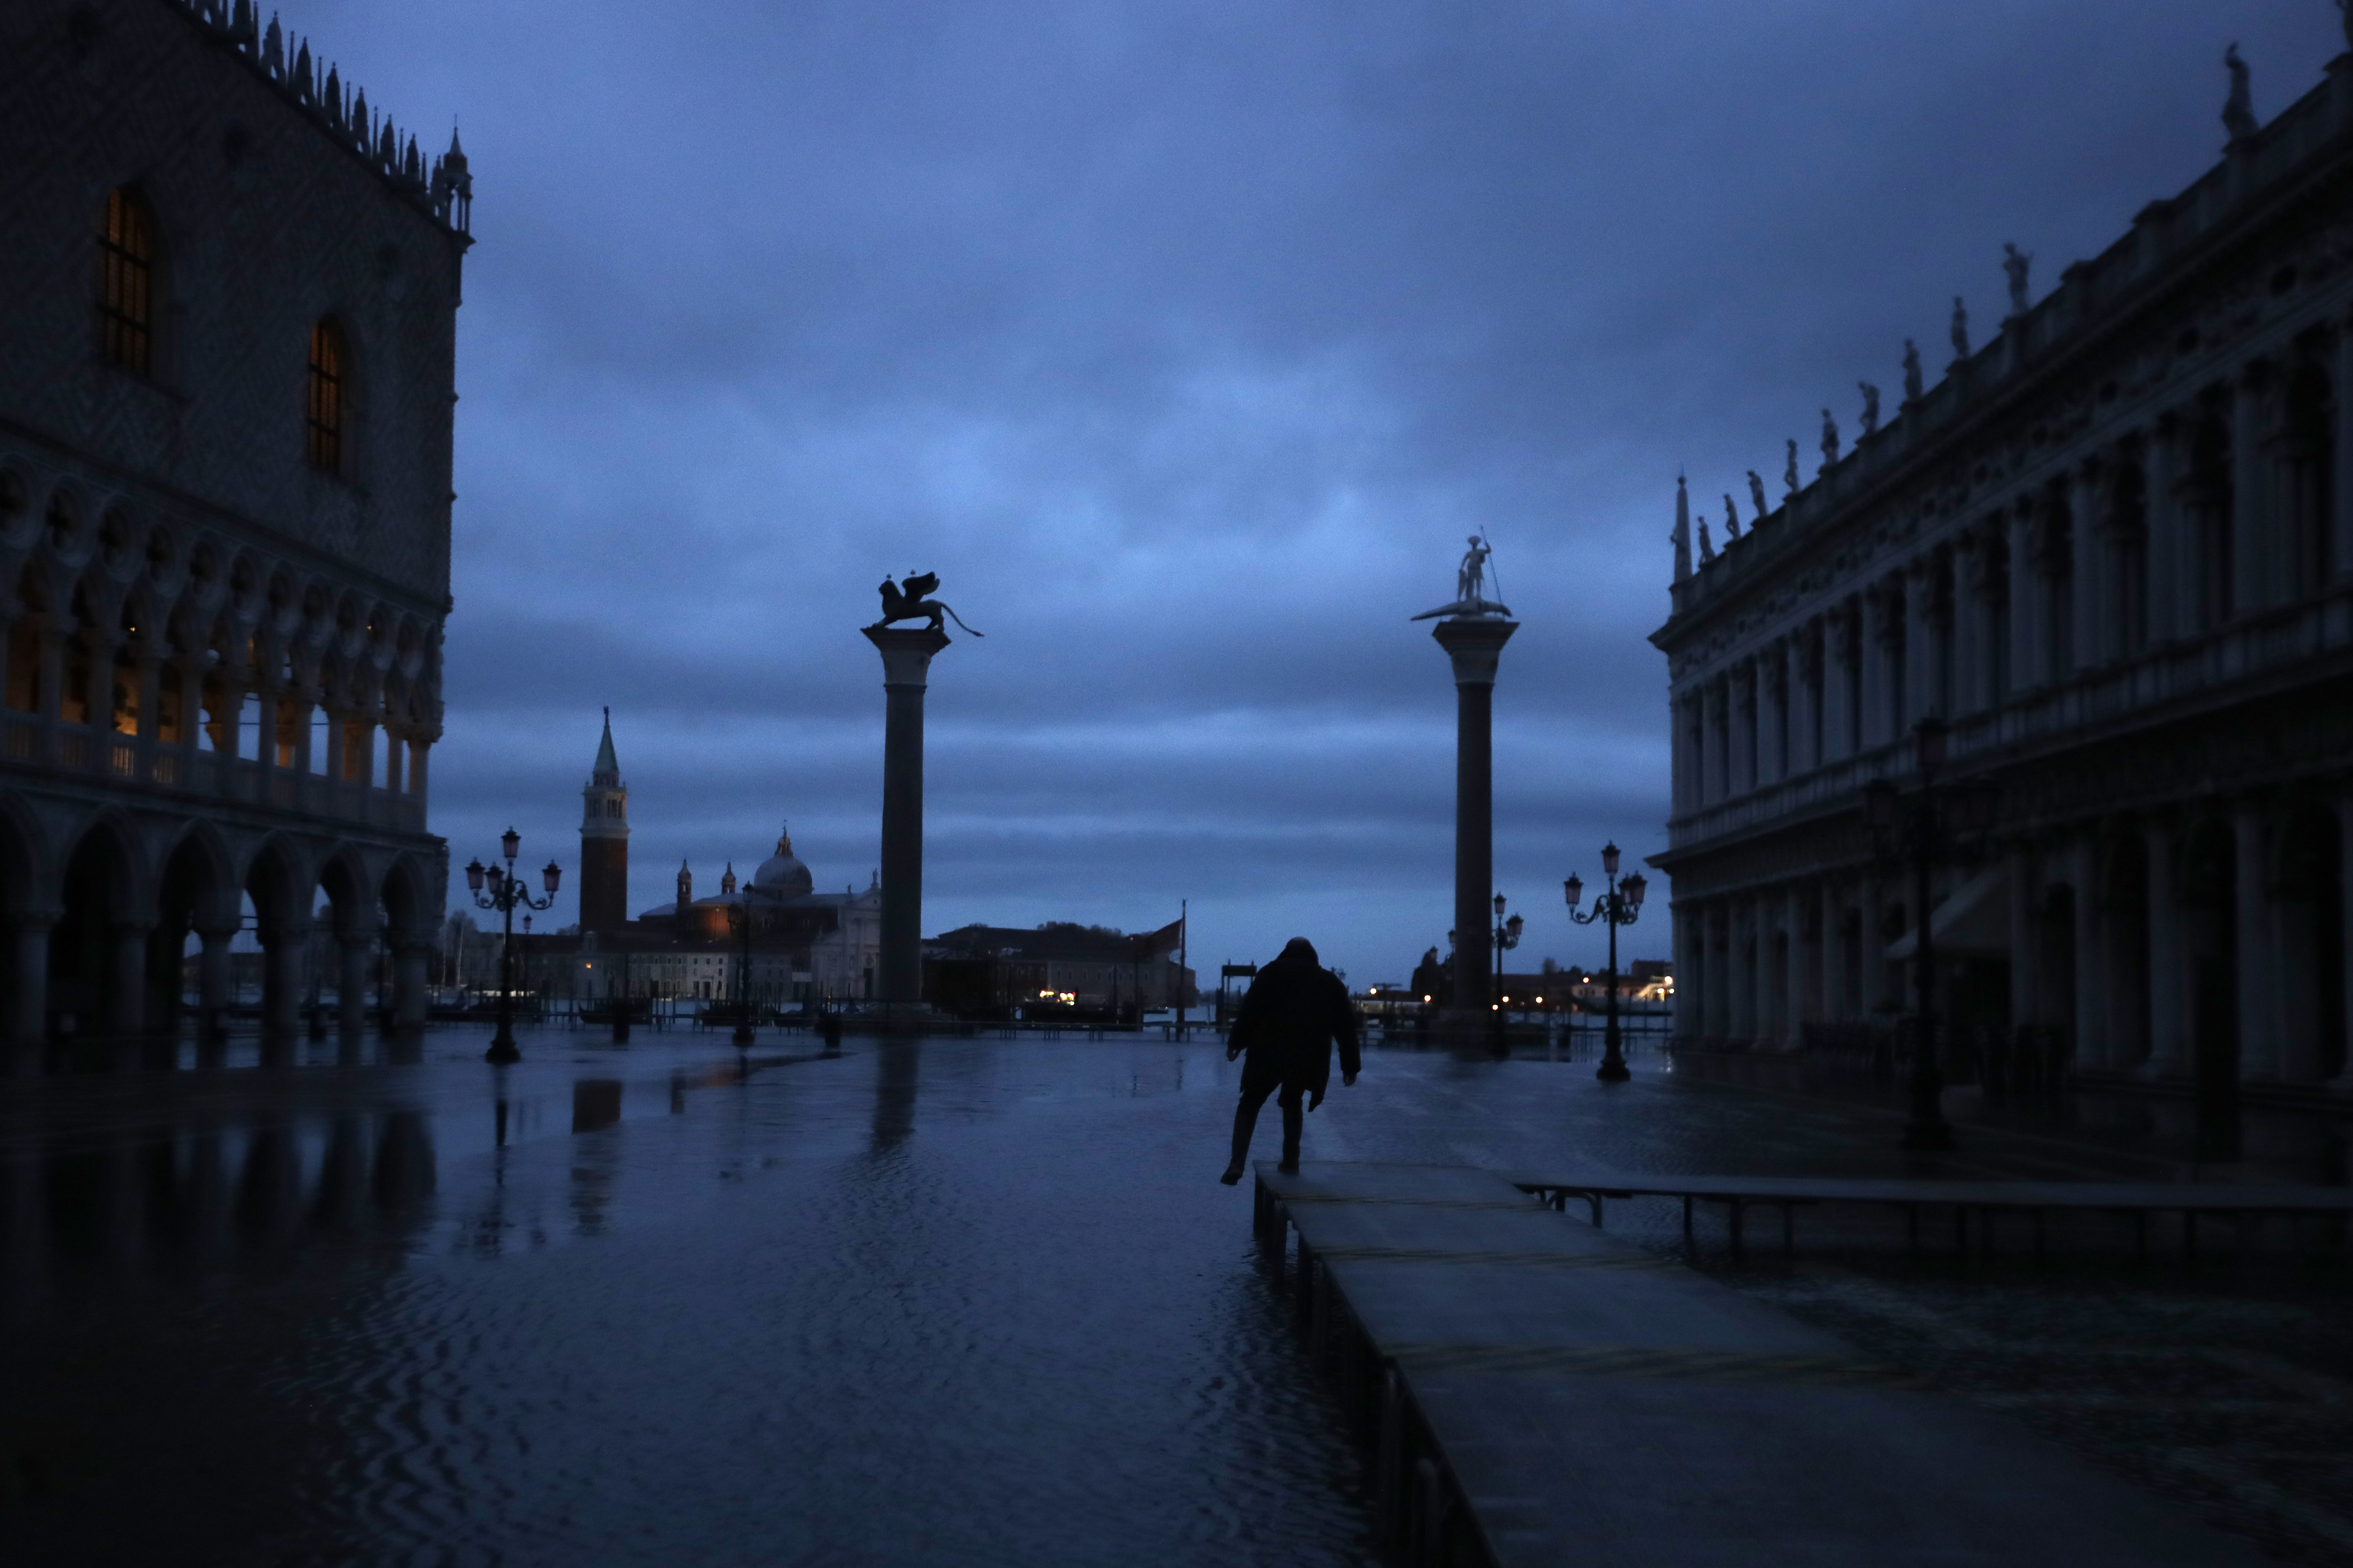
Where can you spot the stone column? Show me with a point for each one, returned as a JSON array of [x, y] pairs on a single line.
[[28, 1020], [353, 951], [2341, 523], [2095, 1047], [2258, 1043], [2169, 998], [1834, 975], [1968, 626], [2026, 670], [2089, 580], [1873, 652], [2167, 550], [212, 979], [410, 991], [1805, 708], [906, 668], [1793, 921], [283, 975], [2250, 577], [1475, 644], [1838, 649], [1690, 967], [1919, 673], [2025, 949]]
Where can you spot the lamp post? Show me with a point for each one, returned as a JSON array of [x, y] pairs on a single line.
[[500, 889], [1507, 937], [1922, 829], [1622, 905], [739, 920]]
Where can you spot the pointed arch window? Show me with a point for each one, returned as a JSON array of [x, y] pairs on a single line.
[[126, 290], [330, 395]]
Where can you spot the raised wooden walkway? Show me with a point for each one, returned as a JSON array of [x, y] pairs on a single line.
[[1536, 1392], [2243, 1207]]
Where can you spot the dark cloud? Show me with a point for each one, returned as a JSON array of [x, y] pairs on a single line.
[[1185, 342]]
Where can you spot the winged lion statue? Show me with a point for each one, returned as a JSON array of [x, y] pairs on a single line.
[[906, 601]]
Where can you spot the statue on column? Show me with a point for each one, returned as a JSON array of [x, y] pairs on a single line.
[[1829, 440], [1911, 371], [1960, 329], [1471, 585], [1789, 474], [1470, 581], [1731, 520], [1870, 407], [1756, 495], [2238, 110], [2014, 263]]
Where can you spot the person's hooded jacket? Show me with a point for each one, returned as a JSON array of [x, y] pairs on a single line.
[[1294, 1010]]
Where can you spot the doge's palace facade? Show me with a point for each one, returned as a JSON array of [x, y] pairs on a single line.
[[228, 289], [2113, 548]]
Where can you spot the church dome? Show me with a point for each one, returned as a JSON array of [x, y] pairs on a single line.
[[781, 876]]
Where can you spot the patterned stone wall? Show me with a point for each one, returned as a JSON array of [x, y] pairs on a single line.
[[270, 221]]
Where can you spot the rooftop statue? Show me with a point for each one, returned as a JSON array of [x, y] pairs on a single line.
[[1830, 439], [1911, 371], [1870, 407], [2344, 10], [1708, 553], [2238, 110], [1789, 474], [1731, 520], [1960, 329], [1756, 495], [1470, 587], [906, 602], [2015, 262]]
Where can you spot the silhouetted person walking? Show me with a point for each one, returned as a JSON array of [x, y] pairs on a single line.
[[1292, 1013]]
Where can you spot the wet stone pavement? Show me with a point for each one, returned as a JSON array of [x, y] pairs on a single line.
[[967, 1301]]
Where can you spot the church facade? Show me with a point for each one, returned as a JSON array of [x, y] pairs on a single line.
[[2111, 552], [806, 948], [226, 391]]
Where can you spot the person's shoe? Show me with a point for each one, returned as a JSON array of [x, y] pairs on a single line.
[[1233, 1175]]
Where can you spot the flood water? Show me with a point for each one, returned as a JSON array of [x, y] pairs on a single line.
[[960, 1302]]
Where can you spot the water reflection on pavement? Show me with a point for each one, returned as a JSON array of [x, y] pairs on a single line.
[[967, 1301], [970, 1301]]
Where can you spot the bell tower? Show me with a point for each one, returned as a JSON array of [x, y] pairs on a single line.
[[605, 842]]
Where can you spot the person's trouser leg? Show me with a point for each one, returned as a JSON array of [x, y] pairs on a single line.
[[1245, 1122], [1293, 1121]]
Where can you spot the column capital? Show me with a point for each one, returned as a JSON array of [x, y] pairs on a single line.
[[906, 653], [1475, 645]]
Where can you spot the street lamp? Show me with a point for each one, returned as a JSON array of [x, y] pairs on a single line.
[[739, 920], [1507, 937], [1922, 829], [501, 890], [1621, 906]]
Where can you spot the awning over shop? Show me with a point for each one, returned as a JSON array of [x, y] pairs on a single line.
[[1972, 922]]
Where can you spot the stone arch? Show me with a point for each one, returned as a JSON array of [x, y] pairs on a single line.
[[98, 953]]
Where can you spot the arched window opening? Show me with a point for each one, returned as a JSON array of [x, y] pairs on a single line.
[[126, 292], [329, 397]]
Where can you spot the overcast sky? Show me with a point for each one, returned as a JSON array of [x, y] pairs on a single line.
[[1187, 341]]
